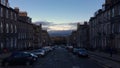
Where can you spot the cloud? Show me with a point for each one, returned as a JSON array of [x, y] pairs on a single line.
[[73, 24], [58, 29], [44, 23], [50, 26], [61, 27]]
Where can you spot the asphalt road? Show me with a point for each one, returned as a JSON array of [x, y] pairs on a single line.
[[61, 58]]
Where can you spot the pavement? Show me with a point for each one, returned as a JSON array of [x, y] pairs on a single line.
[[105, 59]]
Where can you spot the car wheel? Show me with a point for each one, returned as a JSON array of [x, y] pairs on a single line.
[[28, 63]]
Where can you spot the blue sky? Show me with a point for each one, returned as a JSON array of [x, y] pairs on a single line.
[[58, 11]]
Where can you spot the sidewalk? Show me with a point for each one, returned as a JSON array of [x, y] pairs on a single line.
[[115, 57], [105, 60]]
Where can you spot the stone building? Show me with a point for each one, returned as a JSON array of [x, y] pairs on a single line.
[[4, 3], [73, 39], [105, 26], [8, 26], [37, 36], [17, 32], [25, 30], [46, 40], [80, 37], [83, 35]]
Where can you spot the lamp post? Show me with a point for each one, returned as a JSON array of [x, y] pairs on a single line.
[[112, 37]]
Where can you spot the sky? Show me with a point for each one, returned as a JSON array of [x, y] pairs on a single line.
[[58, 14]]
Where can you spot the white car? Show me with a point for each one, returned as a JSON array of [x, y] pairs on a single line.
[[39, 53]]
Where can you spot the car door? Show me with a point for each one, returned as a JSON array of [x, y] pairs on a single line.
[[16, 59], [25, 57]]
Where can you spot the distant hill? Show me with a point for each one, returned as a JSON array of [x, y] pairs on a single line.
[[60, 33]]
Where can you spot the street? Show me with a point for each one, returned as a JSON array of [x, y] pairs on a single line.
[[59, 34], [61, 58]]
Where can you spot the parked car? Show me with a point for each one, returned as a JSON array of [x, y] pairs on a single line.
[[47, 49], [76, 50], [39, 53], [69, 48], [83, 53], [19, 58]]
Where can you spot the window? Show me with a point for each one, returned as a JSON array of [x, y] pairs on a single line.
[[7, 42], [119, 9], [15, 16], [11, 15], [1, 45], [15, 43], [113, 11], [18, 35], [1, 12], [106, 15], [11, 28], [7, 28], [119, 27], [109, 14], [11, 43], [3, 2], [15, 29], [113, 26], [6, 13], [1, 27]]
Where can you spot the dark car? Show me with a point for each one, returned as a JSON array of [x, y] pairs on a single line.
[[76, 50], [19, 58], [69, 48], [83, 53]]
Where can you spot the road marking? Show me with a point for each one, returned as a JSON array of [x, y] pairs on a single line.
[[75, 67]]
